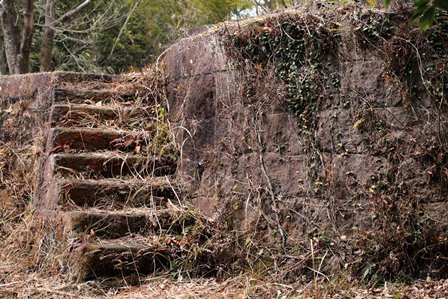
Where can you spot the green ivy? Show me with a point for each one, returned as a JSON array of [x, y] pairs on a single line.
[[300, 51]]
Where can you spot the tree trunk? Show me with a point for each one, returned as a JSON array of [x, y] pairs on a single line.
[[47, 38], [27, 38], [3, 65], [11, 36]]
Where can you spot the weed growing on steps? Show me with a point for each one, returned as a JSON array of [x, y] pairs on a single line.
[[161, 145], [43, 240]]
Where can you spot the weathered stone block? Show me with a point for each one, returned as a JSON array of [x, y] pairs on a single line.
[[362, 169], [198, 55], [364, 83]]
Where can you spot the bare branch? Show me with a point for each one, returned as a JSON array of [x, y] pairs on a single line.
[[71, 12], [259, 5], [123, 27]]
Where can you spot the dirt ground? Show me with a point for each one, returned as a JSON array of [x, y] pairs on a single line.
[[17, 284]]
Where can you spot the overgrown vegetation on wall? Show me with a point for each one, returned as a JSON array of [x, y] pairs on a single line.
[[405, 240], [310, 53]]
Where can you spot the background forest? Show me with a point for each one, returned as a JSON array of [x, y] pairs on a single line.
[[115, 35], [104, 35]]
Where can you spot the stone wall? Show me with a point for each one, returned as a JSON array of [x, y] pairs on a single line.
[[250, 150], [24, 101]]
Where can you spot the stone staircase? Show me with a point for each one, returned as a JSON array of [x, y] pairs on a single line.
[[108, 191]]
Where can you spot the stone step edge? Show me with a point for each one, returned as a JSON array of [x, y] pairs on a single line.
[[113, 258], [60, 95], [109, 164], [91, 139], [67, 194], [117, 224]]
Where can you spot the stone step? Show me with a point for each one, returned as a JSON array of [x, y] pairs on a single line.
[[69, 115], [106, 165], [119, 258], [84, 139], [109, 194], [91, 96], [117, 224], [116, 194], [70, 78]]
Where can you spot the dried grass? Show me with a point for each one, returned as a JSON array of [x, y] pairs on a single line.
[[22, 285]]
